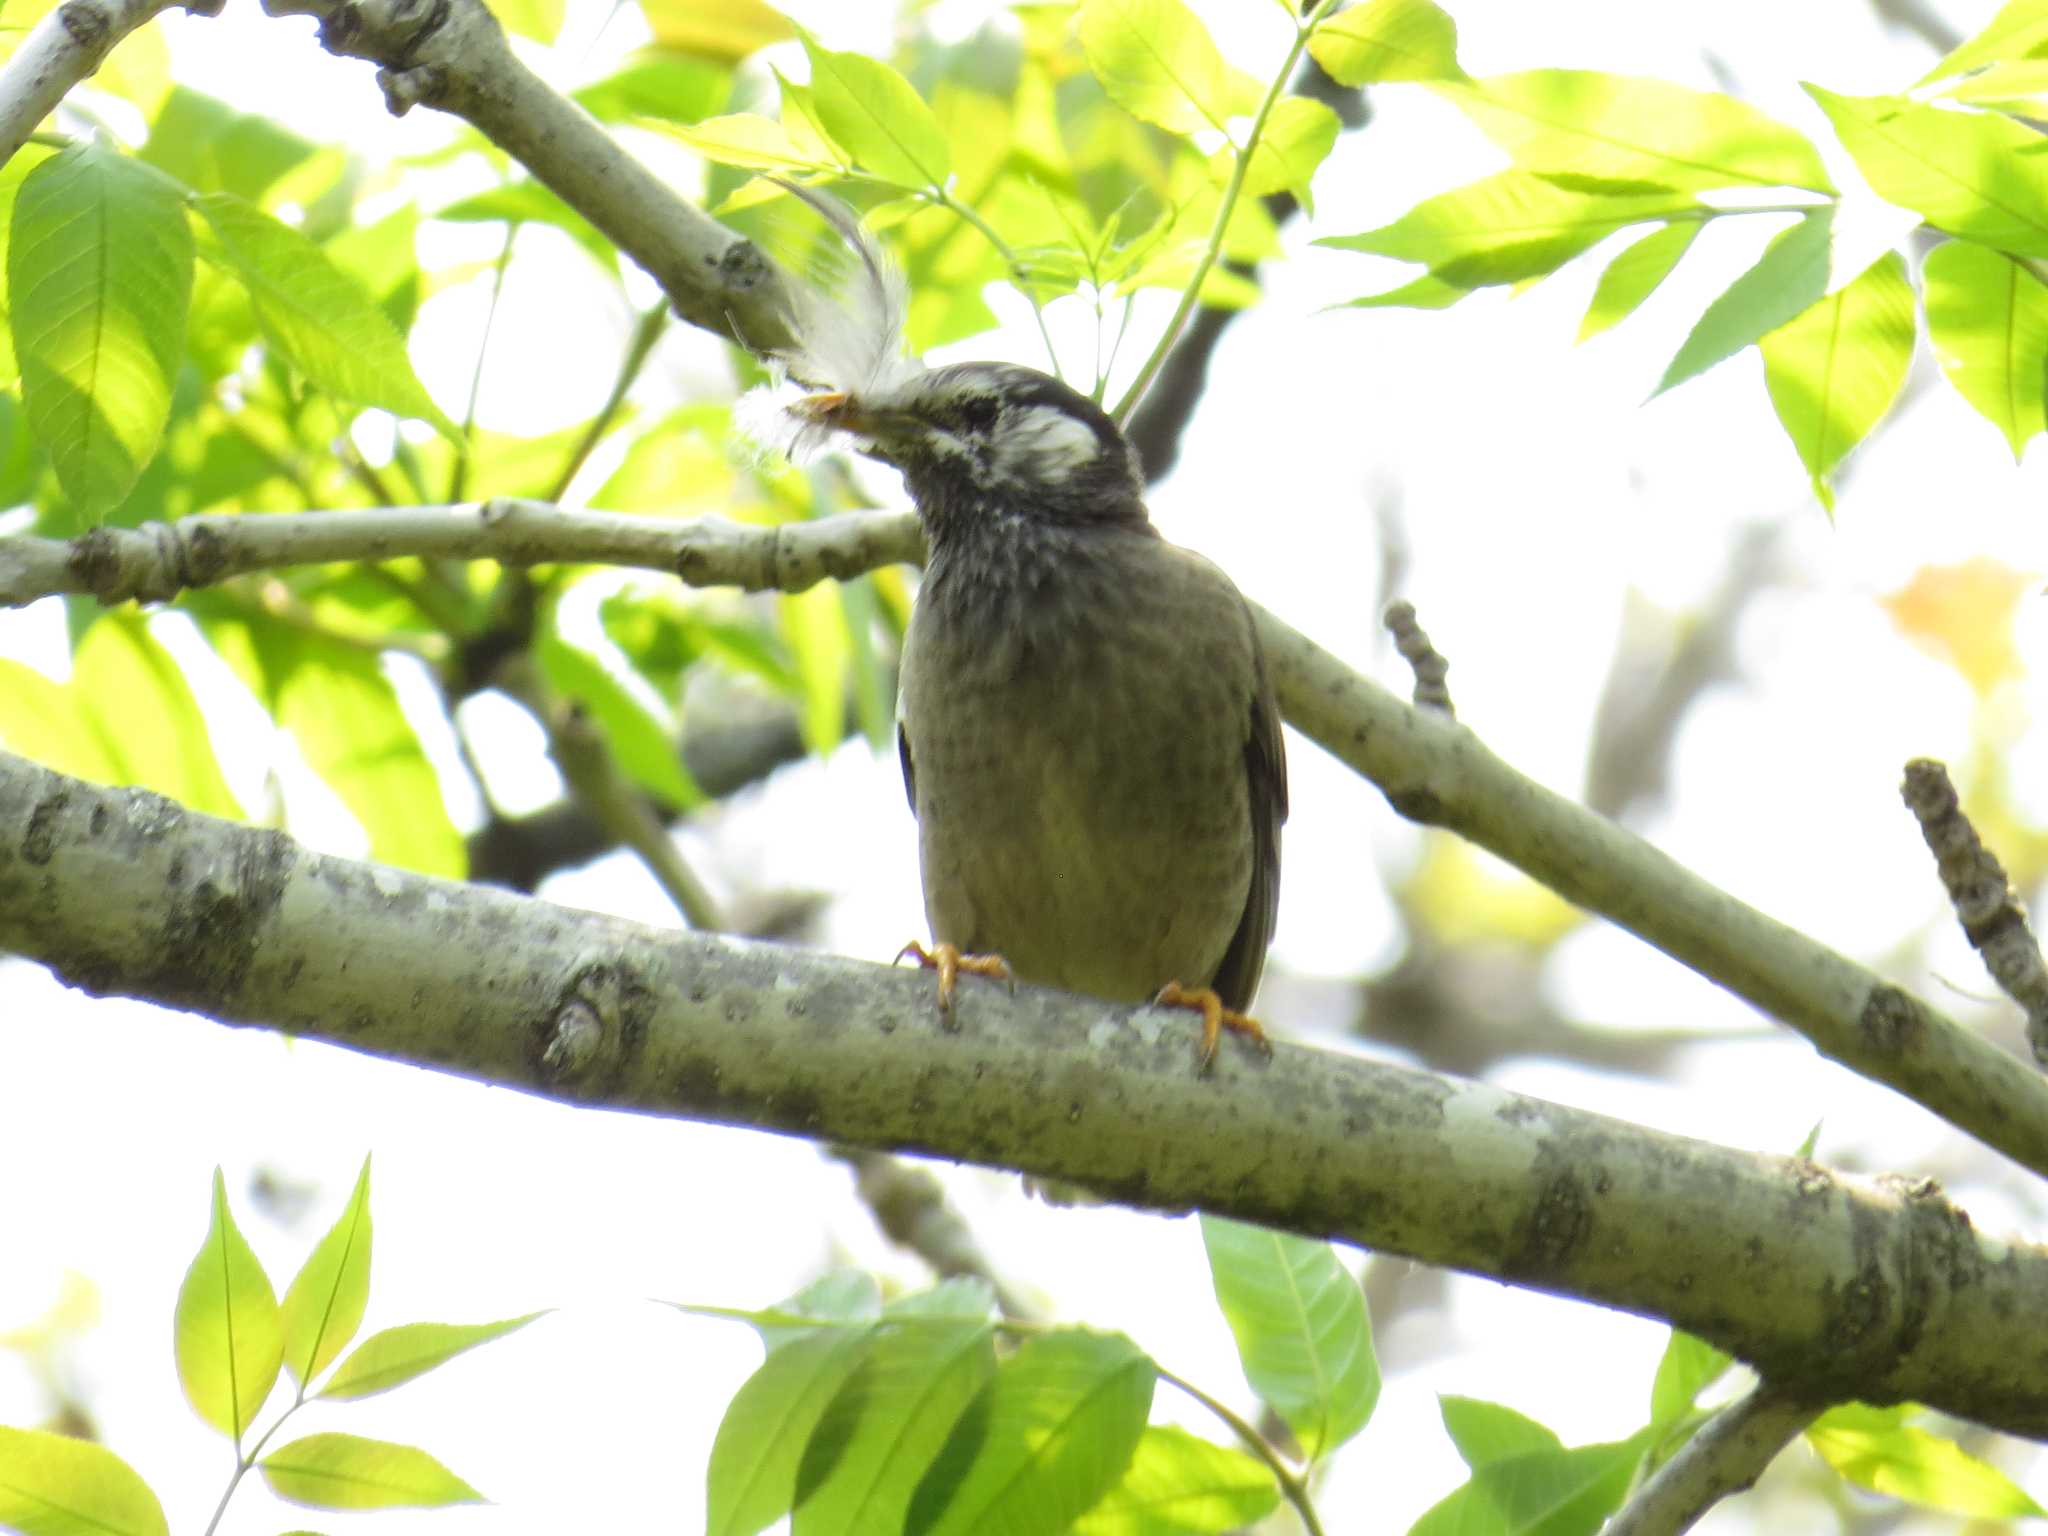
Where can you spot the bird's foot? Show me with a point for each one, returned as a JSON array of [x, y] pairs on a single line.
[[949, 962], [1215, 1019]]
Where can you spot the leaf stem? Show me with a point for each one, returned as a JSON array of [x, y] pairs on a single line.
[[1291, 1485], [965, 211], [1225, 207], [653, 321], [458, 476]]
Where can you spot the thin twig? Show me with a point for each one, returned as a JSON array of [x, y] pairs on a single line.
[[1727, 1456], [1986, 905]]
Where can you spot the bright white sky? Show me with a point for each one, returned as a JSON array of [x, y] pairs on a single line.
[[1536, 490]]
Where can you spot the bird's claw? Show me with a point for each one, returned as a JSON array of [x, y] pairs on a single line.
[[1215, 1019], [949, 962]]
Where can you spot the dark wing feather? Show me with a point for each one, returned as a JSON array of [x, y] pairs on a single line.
[[909, 773], [1265, 761]]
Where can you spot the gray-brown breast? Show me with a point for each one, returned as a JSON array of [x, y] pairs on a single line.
[[1098, 772]]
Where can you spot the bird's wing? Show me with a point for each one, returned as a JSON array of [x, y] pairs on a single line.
[[1265, 761], [909, 772]]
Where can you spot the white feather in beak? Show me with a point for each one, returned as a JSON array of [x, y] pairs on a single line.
[[849, 341]]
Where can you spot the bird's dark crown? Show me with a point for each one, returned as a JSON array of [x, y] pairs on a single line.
[[979, 443]]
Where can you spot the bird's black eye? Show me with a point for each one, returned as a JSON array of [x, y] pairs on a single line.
[[978, 412]]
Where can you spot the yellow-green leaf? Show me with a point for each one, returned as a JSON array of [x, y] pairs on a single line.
[[1177, 1484], [230, 1341], [1158, 62], [747, 140], [725, 30], [1835, 370], [1987, 317], [1625, 129], [1299, 134], [129, 691], [397, 1355], [1874, 1448], [350, 1472], [1975, 174], [1791, 274], [323, 1306], [99, 278], [2018, 31], [1387, 40], [54, 1485], [317, 317], [1635, 274], [1507, 227], [876, 116]]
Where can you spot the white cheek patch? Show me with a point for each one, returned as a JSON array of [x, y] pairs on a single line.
[[1044, 443]]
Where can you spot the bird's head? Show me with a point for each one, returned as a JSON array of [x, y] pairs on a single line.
[[993, 437]]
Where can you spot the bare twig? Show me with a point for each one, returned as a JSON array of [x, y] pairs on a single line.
[[1432, 671], [1986, 905], [909, 1205], [1726, 1457]]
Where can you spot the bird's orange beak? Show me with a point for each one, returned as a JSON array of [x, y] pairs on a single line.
[[831, 409]]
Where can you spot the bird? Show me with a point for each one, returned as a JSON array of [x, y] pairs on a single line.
[[1088, 733]]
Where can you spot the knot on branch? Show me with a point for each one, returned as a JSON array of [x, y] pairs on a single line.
[[600, 1020], [86, 23]]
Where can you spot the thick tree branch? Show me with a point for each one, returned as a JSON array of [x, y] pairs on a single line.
[[1726, 1457], [1880, 1291], [62, 49], [1431, 769], [453, 54]]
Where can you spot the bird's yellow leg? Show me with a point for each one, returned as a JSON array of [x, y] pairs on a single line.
[[949, 962], [1215, 1019]]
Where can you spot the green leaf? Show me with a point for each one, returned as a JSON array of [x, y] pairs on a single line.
[[540, 20], [1487, 1432], [323, 1306], [1987, 317], [1045, 1441], [349, 1472], [397, 1355], [212, 147], [877, 117], [1635, 274], [317, 316], [41, 720], [1790, 275], [1179, 1484], [1508, 227], [230, 1341], [1975, 174], [342, 711], [1157, 61], [751, 142], [1387, 40], [722, 30], [1875, 1449], [130, 693], [12, 175], [1689, 1366], [752, 1477], [1622, 128], [814, 625], [872, 1445], [1298, 136], [668, 86], [588, 670], [53, 1485], [1539, 1493], [1426, 292], [527, 201], [2018, 31], [1835, 370], [1301, 1329], [99, 278]]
